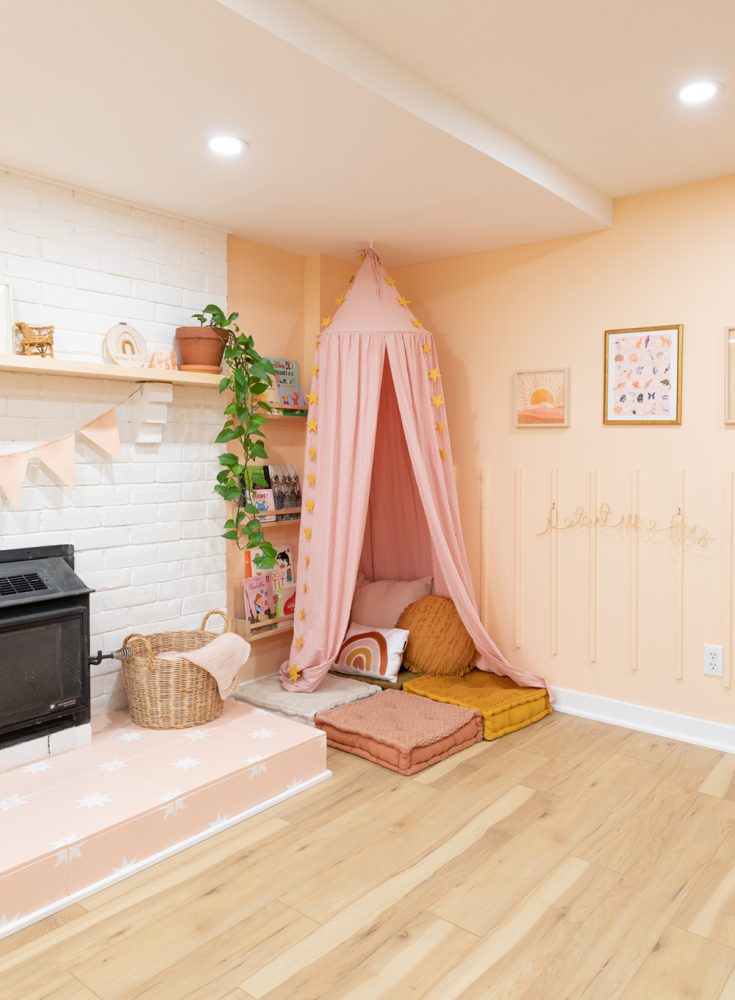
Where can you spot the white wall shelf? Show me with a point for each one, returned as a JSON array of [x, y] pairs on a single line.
[[88, 369]]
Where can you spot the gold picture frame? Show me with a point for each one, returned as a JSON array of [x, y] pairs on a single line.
[[643, 378]]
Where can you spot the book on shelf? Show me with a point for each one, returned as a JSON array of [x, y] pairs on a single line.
[[285, 395], [270, 594], [264, 501], [286, 486]]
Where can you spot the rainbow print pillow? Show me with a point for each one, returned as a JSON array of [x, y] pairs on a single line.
[[372, 652]]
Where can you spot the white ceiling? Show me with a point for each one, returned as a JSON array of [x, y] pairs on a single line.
[[432, 128]]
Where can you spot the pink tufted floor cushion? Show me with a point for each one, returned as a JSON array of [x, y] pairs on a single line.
[[403, 732]]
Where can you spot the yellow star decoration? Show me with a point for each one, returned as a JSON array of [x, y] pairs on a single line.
[[311, 479], [312, 454], [433, 374], [307, 560], [307, 533], [417, 323], [314, 369], [403, 301], [311, 425], [316, 344], [299, 642], [339, 300], [326, 320], [439, 427], [302, 615], [313, 398], [442, 454], [427, 348], [306, 588], [293, 672], [436, 400], [310, 505], [352, 278], [390, 281]]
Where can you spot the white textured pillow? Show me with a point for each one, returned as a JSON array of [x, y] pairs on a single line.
[[380, 603], [372, 652]]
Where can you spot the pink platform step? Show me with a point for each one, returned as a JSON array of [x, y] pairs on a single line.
[[79, 821]]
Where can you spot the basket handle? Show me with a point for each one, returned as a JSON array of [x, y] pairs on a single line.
[[149, 648], [222, 614]]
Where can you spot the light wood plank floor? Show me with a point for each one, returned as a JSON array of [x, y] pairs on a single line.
[[571, 860]]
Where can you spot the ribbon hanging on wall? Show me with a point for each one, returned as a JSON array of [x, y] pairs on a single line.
[[13, 474], [58, 456], [104, 433]]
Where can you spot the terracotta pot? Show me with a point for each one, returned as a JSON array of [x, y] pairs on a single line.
[[201, 347]]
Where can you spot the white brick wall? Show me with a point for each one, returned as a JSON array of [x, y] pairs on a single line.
[[146, 528], [84, 263]]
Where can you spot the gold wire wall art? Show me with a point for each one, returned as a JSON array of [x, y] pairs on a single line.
[[676, 529]]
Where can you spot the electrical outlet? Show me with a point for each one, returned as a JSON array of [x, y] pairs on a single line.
[[713, 660]]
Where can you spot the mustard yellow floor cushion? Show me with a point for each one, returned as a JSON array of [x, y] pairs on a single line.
[[504, 705]]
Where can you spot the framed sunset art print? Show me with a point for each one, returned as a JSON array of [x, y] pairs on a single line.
[[643, 375], [541, 397]]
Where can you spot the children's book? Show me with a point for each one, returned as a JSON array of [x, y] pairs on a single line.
[[285, 394], [260, 601], [263, 500]]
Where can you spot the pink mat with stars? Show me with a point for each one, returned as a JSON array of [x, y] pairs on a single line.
[[379, 488], [80, 818]]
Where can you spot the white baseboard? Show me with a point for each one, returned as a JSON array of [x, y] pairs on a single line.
[[686, 728], [16, 925]]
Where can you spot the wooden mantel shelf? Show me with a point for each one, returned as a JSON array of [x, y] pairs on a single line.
[[90, 369]]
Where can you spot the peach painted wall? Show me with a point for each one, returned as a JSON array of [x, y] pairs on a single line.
[[566, 606], [266, 286]]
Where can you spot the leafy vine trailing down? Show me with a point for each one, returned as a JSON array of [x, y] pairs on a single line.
[[249, 376]]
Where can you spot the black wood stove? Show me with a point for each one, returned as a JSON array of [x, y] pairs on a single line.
[[44, 643]]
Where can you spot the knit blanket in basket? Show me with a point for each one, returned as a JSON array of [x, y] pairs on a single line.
[[223, 658]]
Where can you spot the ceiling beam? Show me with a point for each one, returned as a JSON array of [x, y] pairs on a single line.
[[320, 37]]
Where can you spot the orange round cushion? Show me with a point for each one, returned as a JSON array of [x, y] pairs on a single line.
[[438, 642]]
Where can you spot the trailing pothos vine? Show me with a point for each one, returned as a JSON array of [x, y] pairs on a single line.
[[249, 375]]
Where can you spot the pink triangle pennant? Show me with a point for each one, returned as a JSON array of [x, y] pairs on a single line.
[[58, 456], [12, 475], [104, 433]]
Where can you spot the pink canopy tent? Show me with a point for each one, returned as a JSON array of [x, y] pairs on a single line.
[[379, 492]]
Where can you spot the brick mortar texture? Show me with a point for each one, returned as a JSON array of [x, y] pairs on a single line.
[[147, 528]]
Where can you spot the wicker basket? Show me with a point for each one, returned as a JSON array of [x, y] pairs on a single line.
[[171, 694]]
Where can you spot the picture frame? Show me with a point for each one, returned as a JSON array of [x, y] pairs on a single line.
[[541, 398], [643, 376], [730, 375], [7, 331]]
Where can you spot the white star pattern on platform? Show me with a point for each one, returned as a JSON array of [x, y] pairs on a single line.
[[112, 765], [174, 807], [259, 769], [66, 856], [219, 818], [12, 802], [262, 734], [63, 841], [187, 763], [167, 796], [253, 759], [124, 865], [195, 736], [130, 736], [93, 800], [38, 767]]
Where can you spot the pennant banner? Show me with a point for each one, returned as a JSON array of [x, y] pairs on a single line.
[[58, 456], [104, 433], [12, 473]]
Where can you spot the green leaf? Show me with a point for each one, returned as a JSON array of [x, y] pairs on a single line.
[[224, 383], [229, 523], [258, 388], [257, 450], [230, 535], [225, 435]]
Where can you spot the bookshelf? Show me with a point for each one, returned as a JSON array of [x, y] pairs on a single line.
[[285, 435]]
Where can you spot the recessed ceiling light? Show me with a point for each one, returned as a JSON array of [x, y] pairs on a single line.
[[698, 92], [227, 145]]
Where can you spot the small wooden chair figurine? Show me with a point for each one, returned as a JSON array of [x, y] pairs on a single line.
[[36, 340]]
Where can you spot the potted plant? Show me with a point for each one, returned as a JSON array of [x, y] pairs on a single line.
[[248, 376], [202, 346]]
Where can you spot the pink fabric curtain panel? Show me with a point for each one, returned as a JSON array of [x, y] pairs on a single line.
[[379, 491]]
